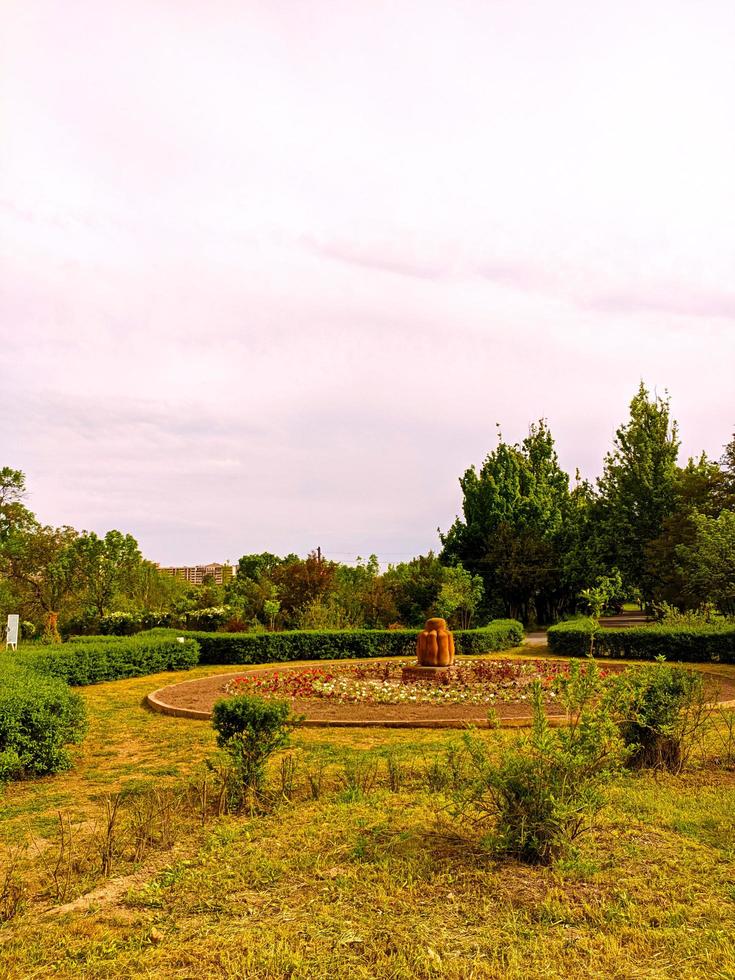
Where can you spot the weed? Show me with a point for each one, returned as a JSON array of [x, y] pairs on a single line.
[[545, 790]]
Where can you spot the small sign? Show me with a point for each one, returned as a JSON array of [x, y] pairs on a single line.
[[11, 631]]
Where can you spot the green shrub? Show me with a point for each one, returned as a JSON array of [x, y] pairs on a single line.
[[250, 729], [546, 788], [661, 709], [39, 718], [120, 624], [106, 659], [27, 630], [263, 648], [697, 644]]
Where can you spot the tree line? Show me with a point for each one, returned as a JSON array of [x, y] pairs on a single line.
[[529, 545]]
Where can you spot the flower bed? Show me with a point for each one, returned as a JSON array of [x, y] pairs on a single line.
[[481, 682]]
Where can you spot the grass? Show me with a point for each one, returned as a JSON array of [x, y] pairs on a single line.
[[363, 881]]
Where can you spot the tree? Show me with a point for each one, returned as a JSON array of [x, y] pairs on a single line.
[[699, 489], [414, 587], [105, 568], [363, 595], [460, 595], [39, 563], [14, 516], [709, 562], [257, 567], [728, 459], [515, 510], [302, 581], [271, 608], [637, 488]]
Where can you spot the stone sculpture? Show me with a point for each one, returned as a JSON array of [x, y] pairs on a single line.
[[435, 645]]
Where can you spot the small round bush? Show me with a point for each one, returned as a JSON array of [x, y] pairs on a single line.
[[660, 710], [250, 728], [39, 718]]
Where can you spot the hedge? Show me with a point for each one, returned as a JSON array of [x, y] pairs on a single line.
[[263, 648], [39, 717], [98, 638], [700, 644], [105, 659]]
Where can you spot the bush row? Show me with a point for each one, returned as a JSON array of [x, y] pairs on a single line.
[[39, 717], [695, 644], [98, 638], [102, 659], [262, 648]]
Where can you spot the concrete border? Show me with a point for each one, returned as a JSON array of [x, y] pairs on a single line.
[[156, 701]]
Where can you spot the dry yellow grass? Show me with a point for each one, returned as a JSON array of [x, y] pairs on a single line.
[[358, 883]]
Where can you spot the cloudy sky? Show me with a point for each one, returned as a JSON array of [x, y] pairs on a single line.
[[272, 270]]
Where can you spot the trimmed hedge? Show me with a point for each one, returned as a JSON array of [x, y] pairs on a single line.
[[110, 659], [39, 717], [97, 638], [264, 648], [700, 644]]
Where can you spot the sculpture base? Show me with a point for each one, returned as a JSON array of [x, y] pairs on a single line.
[[426, 675]]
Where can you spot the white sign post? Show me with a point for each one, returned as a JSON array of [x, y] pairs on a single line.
[[11, 631]]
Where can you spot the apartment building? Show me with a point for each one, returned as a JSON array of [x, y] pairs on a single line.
[[220, 574]]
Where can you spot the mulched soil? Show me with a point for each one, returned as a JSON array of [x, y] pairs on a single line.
[[200, 695]]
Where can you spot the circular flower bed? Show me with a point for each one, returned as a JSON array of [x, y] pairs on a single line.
[[481, 682]]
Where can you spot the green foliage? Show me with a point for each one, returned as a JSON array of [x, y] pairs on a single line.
[[39, 718], [120, 624], [322, 613], [261, 648], [709, 562], [365, 597], [637, 488], [300, 582], [607, 589], [271, 608], [14, 516], [546, 788], [207, 618], [514, 515], [77, 640], [459, 596], [415, 586], [700, 490], [104, 567], [107, 658], [714, 642], [27, 630], [38, 564], [660, 709], [669, 615], [250, 729]]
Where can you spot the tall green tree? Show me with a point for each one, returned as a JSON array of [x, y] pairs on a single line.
[[106, 568], [14, 515], [514, 514], [699, 490], [38, 562], [637, 488]]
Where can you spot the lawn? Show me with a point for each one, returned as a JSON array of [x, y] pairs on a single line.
[[358, 869]]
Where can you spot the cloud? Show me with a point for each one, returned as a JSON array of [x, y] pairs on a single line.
[[675, 299], [270, 277]]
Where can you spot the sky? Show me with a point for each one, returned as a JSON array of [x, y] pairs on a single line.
[[272, 272]]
